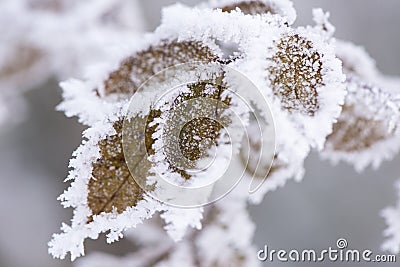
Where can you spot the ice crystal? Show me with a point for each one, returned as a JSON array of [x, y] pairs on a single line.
[[392, 232]]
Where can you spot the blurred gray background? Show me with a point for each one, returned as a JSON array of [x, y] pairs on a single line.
[[331, 202]]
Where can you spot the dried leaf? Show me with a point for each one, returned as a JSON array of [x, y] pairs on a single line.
[[353, 132], [136, 69], [366, 132], [113, 188], [198, 134], [296, 74]]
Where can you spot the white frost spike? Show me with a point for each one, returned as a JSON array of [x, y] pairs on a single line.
[[392, 232], [178, 220], [322, 21], [79, 99]]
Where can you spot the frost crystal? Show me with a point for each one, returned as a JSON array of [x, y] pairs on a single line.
[[392, 232]]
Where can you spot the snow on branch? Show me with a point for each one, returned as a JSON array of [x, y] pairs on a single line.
[[171, 113]]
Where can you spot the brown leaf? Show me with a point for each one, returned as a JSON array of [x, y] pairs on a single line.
[[353, 132], [138, 68], [197, 135], [25, 58], [113, 185], [294, 78]]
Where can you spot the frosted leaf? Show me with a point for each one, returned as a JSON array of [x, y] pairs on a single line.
[[296, 74], [200, 128], [367, 132], [111, 179], [307, 78], [392, 232], [253, 7], [297, 69], [136, 69], [112, 189], [103, 193]]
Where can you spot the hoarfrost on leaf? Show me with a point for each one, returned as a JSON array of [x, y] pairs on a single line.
[[367, 131]]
